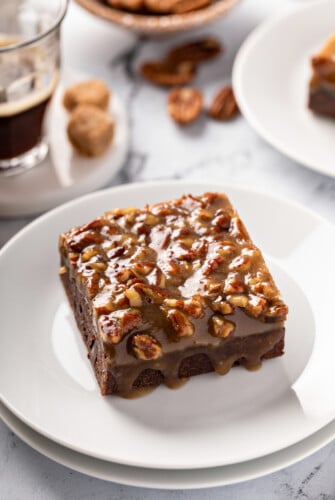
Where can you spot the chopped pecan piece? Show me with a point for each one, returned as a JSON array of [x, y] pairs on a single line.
[[88, 254], [180, 252], [167, 73], [135, 299], [221, 327], [193, 306], [264, 288], [227, 249], [224, 106], [115, 326], [324, 68], [73, 257], [173, 268], [212, 264], [233, 284], [124, 274], [98, 266], [221, 222], [79, 241], [184, 104], [256, 305], [154, 294], [196, 50], [143, 268], [157, 277], [103, 302], [221, 306], [94, 283], [238, 300], [94, 224], [148, 219], [146, 347], [237, 229], [180, 323], [241, 263], [276, 312], [212, 287], [200, 247]]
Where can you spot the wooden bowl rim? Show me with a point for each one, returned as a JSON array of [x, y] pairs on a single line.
[[158, 23]]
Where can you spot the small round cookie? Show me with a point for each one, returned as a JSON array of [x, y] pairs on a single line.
[[93, 92], [90, 130]]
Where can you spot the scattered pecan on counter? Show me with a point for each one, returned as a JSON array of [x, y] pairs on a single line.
[[167, 74], [180, 64], [224, 105], [184, 104]]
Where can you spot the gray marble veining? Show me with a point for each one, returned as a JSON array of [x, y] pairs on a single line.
[[229, 153]]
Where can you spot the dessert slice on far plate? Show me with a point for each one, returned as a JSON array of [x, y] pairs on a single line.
[[322, 83]]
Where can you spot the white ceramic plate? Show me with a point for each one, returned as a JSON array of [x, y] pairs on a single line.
[[46, 380], [271, 75], [168, 479], [64, 174]]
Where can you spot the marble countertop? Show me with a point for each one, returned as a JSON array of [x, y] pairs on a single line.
[[229, 153]]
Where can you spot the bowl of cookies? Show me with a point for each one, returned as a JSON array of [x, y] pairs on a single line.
[[158, 17]]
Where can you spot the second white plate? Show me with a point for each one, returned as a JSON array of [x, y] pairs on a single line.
[[167, 479], [46, 379], [271, 76]]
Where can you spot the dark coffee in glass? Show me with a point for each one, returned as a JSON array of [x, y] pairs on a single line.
[[29, 71]]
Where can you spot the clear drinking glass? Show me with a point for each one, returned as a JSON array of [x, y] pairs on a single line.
[[29, 72]]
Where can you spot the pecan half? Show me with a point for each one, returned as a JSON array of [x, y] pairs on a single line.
[[196, 51], [184, 105], [224, 106], [168, 73]]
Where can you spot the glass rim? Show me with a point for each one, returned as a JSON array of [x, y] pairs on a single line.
[[30, 41]]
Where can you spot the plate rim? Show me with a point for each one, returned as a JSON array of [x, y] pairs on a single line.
[[271, 463], [160, 24], [248, 45], [157, 183], [105, 193]]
